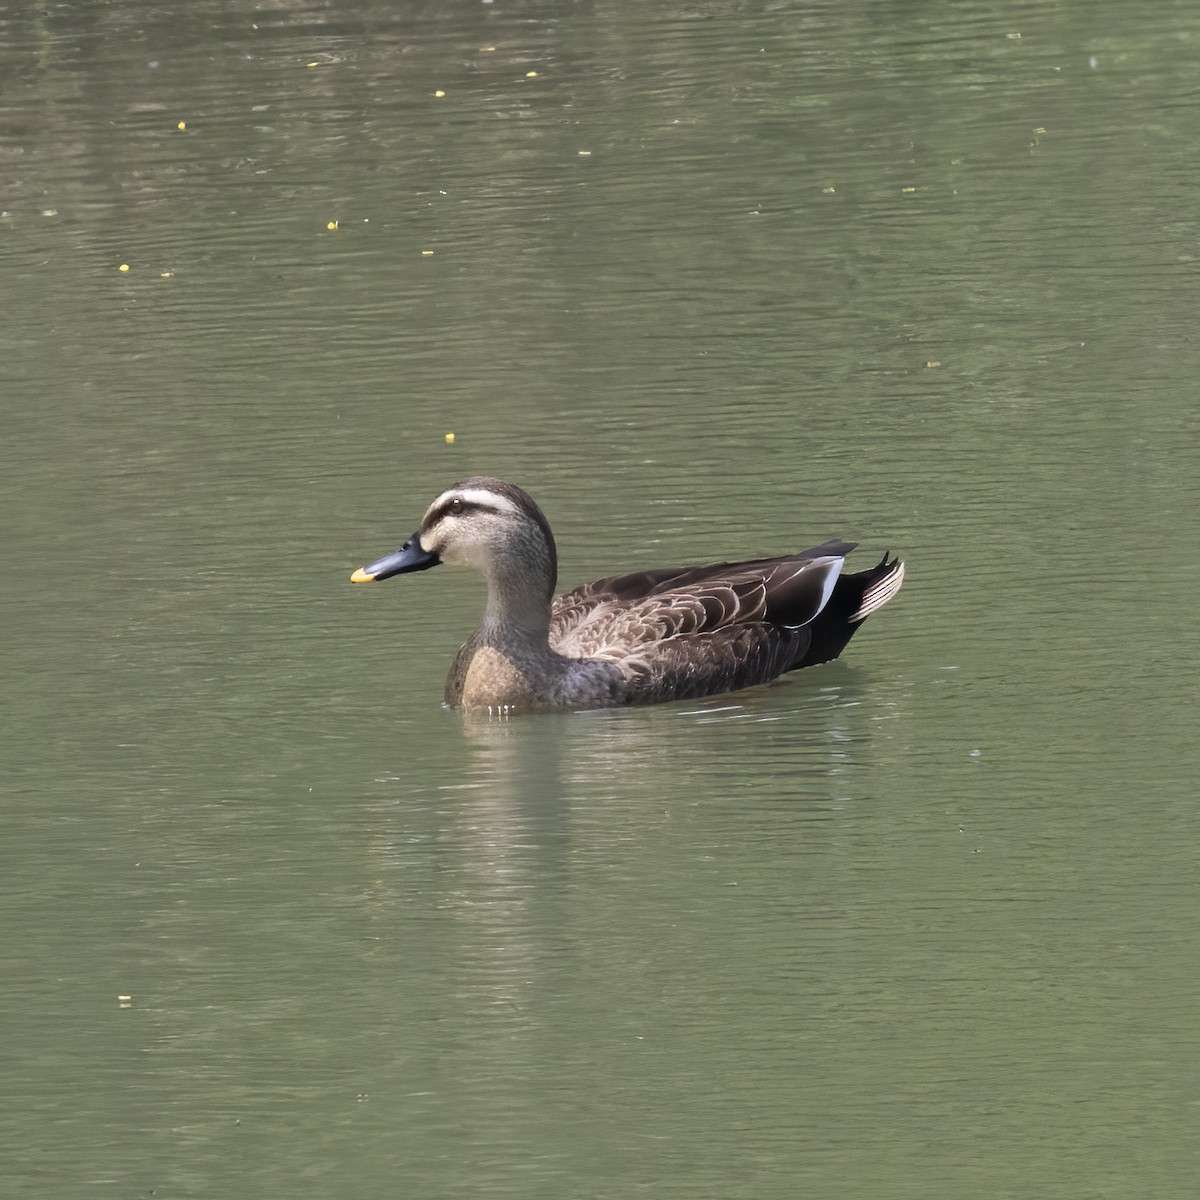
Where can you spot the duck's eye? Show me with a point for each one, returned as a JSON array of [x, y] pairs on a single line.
[[456, 505]]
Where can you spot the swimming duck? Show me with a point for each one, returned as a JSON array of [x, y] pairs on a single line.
[[668, 634]]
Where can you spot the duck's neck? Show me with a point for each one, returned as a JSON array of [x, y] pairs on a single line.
[[518, 607]]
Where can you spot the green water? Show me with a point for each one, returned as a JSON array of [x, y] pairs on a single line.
[[717, 280]]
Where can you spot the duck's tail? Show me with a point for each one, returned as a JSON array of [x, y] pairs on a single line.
[[881, 584], [855, 597]]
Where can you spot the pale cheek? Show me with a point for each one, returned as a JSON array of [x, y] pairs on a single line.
[[455, 555]]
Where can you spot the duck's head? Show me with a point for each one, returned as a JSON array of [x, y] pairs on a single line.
[[484, 523]]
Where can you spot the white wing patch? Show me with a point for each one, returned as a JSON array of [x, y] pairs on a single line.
[[832, 566]]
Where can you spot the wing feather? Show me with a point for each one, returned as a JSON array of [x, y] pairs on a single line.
[[723, 625]]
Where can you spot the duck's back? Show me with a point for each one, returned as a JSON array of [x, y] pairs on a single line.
[[693, 631]]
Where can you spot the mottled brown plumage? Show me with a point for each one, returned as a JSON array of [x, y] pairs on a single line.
[[649, 636]]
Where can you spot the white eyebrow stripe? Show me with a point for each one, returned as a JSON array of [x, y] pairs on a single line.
[[487, 499], [480, 496]]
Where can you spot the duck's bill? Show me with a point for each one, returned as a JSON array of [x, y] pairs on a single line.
[[410, 557]]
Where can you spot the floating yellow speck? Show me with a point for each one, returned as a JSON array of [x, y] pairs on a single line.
[[829, 191], [123, 267], [166, 275], [449, 439], [933, 362], [439, 93], [908, 189], [531, 74], [331, 225], [181, 126], [426, 253], [1039, 129], [489, 49], [584, 153]]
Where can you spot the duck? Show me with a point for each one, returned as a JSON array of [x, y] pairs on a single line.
[[673, 633]]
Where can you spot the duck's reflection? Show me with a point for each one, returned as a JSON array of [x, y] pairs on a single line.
[[532, 780], [594, 869]]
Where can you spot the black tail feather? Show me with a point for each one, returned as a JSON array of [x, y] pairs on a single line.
[[854, 598]]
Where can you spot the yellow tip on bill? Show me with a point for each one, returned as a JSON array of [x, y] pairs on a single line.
[[360, 576]]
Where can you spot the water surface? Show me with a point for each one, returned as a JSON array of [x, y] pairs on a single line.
[[709, 281]]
